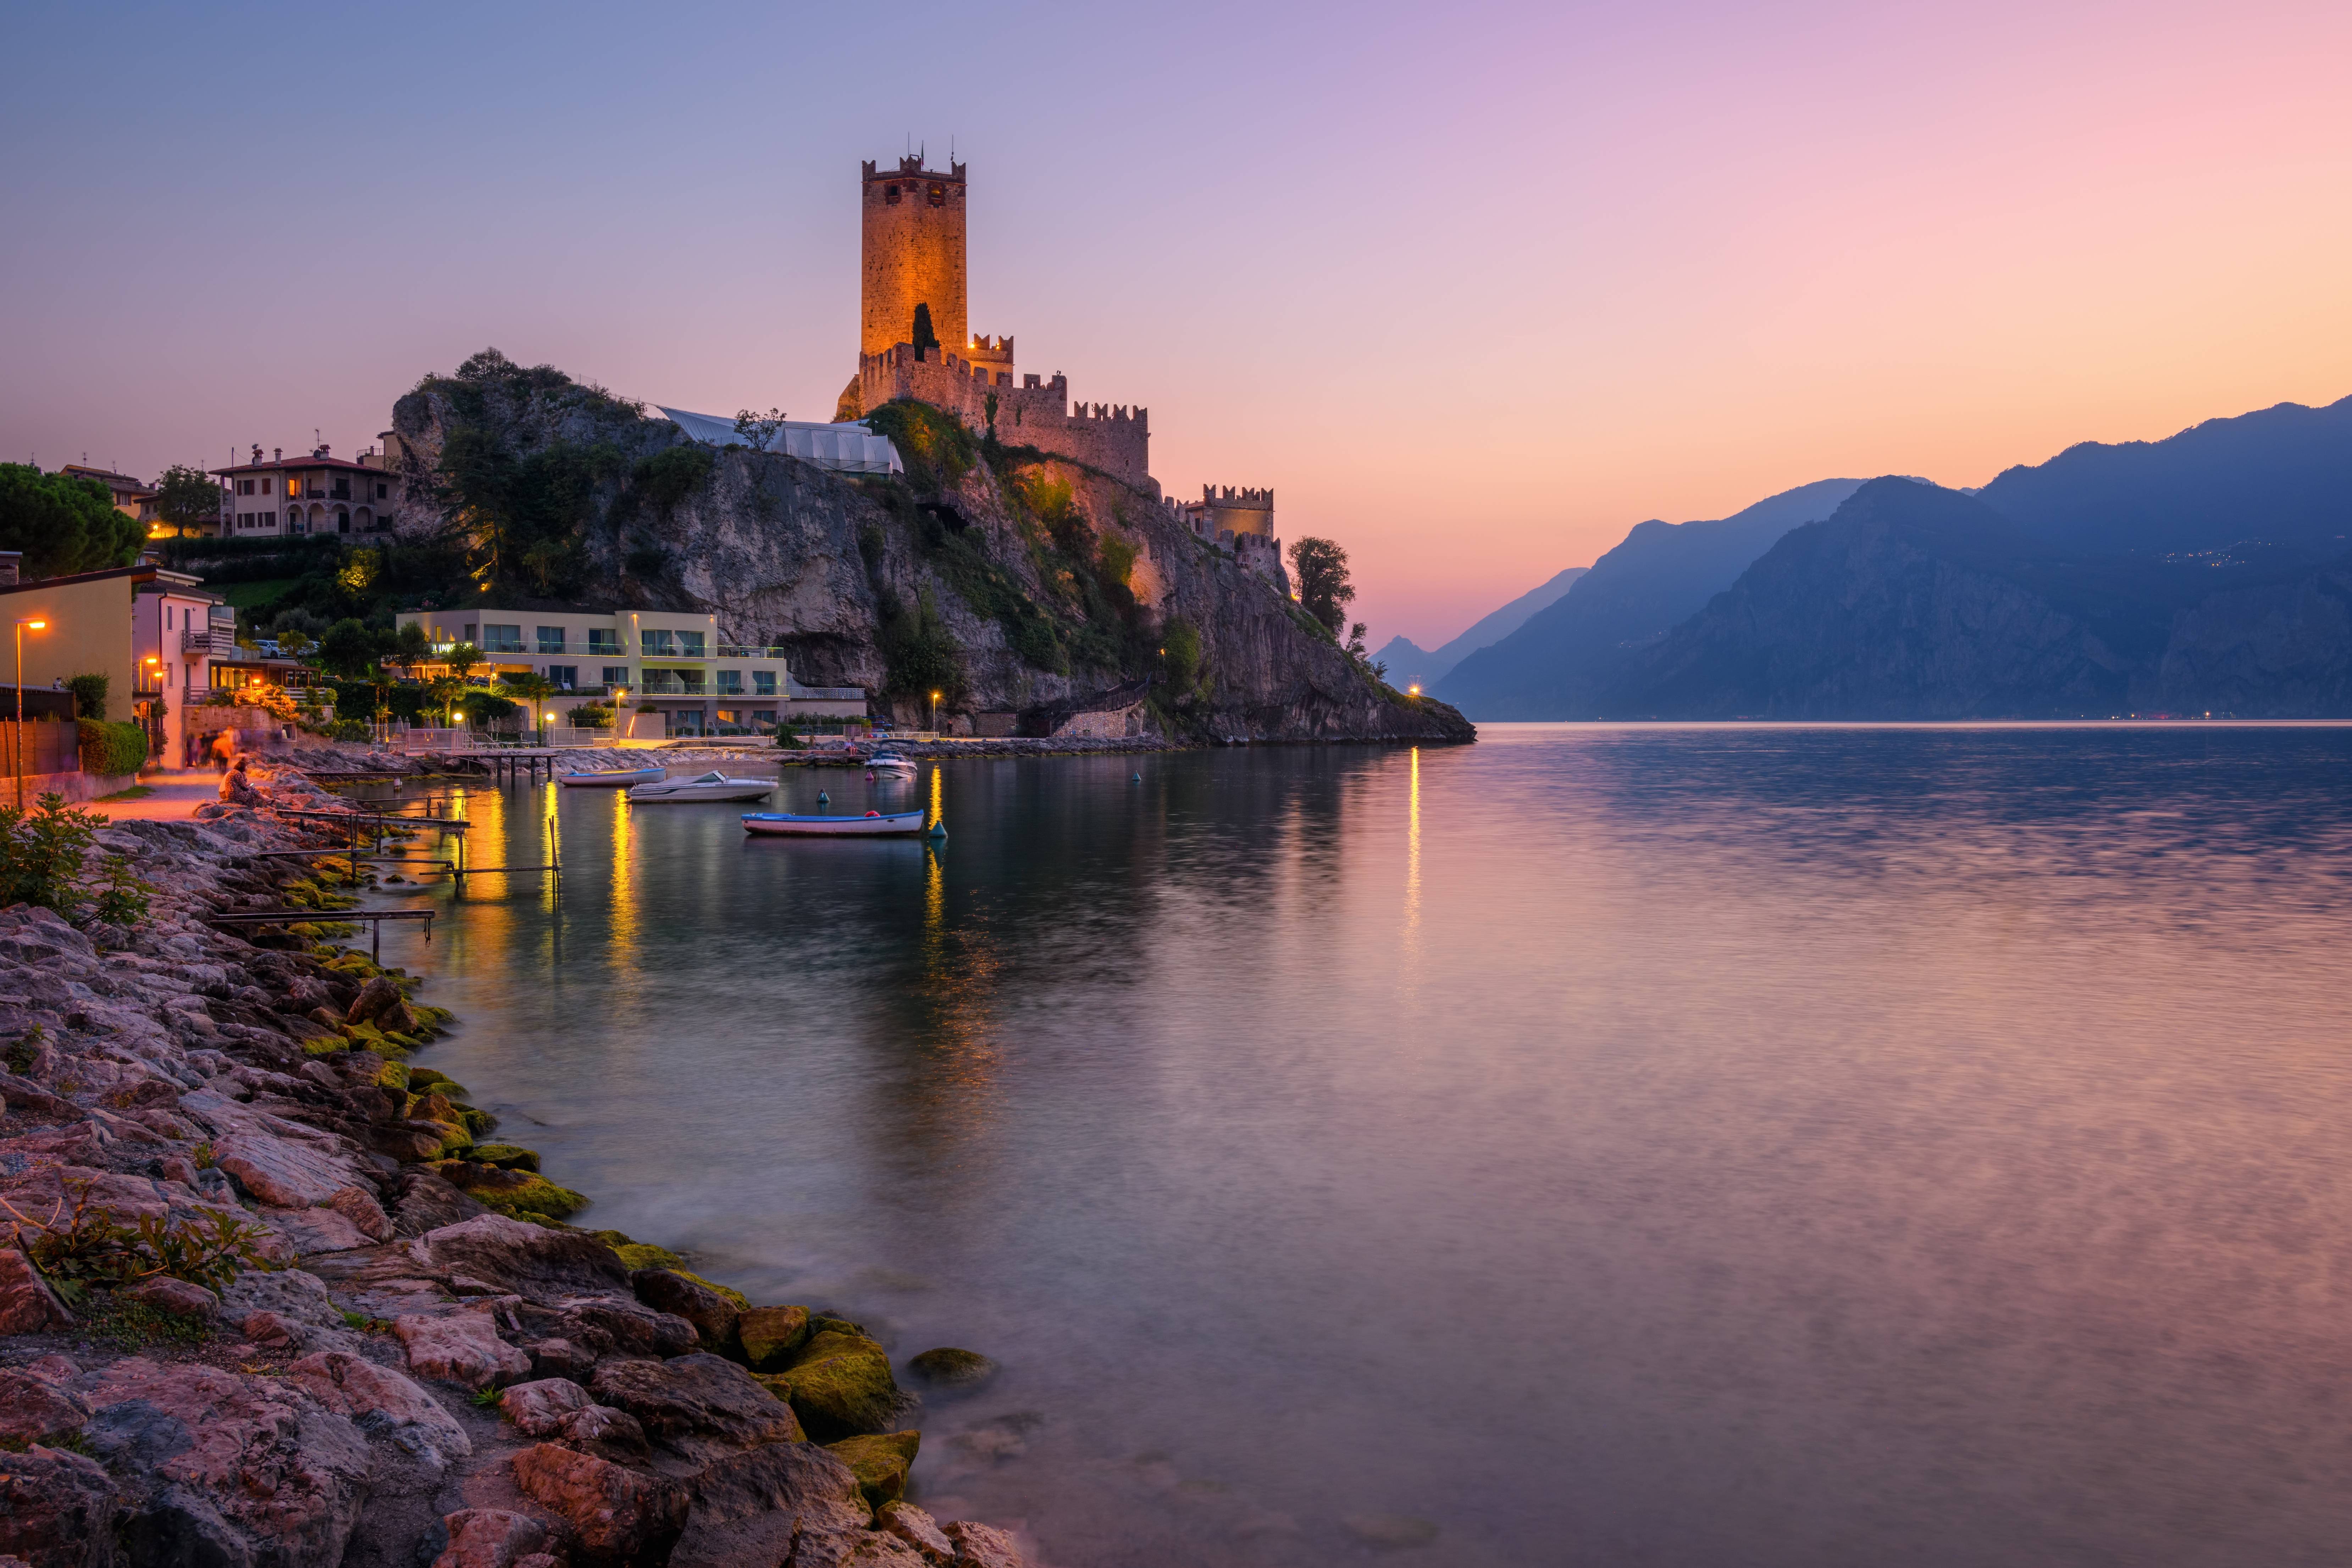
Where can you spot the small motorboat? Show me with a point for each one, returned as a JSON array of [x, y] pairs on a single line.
[[890, 762], [872, 825], [708, 787], [613, 778]]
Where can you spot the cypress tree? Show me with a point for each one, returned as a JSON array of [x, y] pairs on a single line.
[[926, 340]]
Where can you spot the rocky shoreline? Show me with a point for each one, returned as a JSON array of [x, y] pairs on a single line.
[[272, 1294]]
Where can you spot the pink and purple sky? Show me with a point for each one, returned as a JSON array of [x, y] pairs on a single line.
[[1474, 288]]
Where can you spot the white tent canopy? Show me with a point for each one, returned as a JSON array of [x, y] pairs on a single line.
[[851, 448]]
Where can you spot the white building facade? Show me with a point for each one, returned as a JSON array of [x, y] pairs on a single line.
[[665, 673]]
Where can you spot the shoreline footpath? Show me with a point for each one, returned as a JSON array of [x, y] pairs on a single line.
[[271, 1291]]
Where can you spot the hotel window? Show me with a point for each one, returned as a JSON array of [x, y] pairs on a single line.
[[604, 642], [616, 675], [566, 677], [764, 718], [730, 683], [551, 639], [659, 645], [501, 639], [689, 645], [763, 683]]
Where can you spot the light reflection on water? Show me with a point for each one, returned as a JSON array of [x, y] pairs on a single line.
[[1677, 1145]]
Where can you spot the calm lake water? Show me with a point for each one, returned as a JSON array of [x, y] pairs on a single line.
[[1597, 1145]]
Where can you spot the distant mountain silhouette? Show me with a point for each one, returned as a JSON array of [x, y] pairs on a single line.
[[1563, 658], [1408, 663], [1916, 602], [2281, 475]]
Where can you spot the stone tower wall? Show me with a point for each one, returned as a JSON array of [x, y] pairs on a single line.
[[1038, 412], [913, 254]]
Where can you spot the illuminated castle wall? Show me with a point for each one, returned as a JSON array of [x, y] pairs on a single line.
[[913, 254]]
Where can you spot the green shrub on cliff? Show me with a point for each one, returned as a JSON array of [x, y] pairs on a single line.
[[933, 444], [921, 656], [41, 853]]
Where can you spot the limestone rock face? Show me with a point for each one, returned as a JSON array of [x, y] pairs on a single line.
[[618, 1513], [785, 553]]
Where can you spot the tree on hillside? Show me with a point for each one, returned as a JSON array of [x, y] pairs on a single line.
[[350, 651], [1318, 569], [62, 523], [758, 430], [413, 644], [463, 658], [187, 498], [927, 340]]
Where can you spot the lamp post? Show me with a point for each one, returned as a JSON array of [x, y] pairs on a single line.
[[18, 749], [935, 712]]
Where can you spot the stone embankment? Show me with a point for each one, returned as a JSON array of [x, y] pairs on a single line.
[[680, 758], [272, 1295]]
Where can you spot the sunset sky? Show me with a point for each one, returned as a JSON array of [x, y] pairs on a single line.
[[1473, 288]]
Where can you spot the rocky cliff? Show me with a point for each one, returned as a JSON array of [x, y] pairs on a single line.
[[1013, 581]]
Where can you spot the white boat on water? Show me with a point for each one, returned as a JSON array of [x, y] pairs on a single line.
[[872, 825], [890, 762], [612, 778], [708, 787]]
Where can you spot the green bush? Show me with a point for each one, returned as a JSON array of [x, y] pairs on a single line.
[[89, 695], [41, 853], [109, 749]]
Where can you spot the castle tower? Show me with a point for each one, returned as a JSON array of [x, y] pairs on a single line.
[[912, 255]]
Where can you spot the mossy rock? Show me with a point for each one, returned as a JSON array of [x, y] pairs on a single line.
[[392, 1074], [636, 1254], [771, 1335], [421, 1078], [403, 1042], [506, 1156], [432, 1105], [734, 1298], [827, 1323], [948, 1367], [842, 1387], [479, 1122], [880, 1462], [518, 1195], [325, 1046]]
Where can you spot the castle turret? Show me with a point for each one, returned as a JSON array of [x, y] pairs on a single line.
[[913, 254]]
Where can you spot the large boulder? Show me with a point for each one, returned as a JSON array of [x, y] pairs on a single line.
[[713, 1315], [619, 1514], [528, 1260], [770, 1335], [428, 1201], [917, 1529], [56, 1510], [539, 1407], [880, 1462], [949, 1368], [490, 1538], [983, 1546], [461, 1346], [35, 1410], [842, 1387], [757, 1506], [695, 1401], [224, 1466], [27, 1305], [607, 1325], [384, 1404]]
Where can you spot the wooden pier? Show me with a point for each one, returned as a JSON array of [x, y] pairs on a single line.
[[375, 919]]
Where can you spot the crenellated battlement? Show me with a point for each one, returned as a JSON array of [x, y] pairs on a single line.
[[1255, 500], [997, 353], [1038, 412]]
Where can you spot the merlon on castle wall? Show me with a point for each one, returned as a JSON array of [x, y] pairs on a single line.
[[1038, 412]]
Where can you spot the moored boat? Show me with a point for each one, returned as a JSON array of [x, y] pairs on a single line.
[[890, 762], [612, 778], [872, 825], [707, 786]]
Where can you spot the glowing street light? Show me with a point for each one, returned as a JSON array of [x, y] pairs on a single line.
[[1412, 691], [23, 623], [935, 712]]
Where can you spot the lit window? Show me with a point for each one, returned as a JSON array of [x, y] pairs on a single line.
[[938, 196]]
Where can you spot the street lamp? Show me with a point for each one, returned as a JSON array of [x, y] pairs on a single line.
[[22, 623], [935, 712]]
